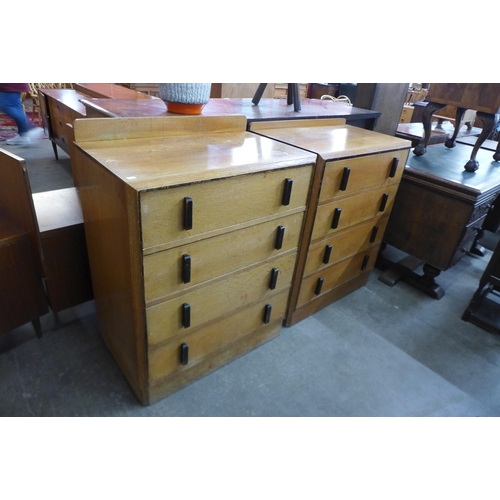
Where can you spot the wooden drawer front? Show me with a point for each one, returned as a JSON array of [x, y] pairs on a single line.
[[337, 274], [353, 210], [218, 298], [165, 359], [60, 115], [348, 242], [466, 242], [57, 119], [219, 204], [212, 257], [365, 172]]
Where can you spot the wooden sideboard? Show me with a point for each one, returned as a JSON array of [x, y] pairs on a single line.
[[438, 213], [353, 191], [192, 227], [59, 108]]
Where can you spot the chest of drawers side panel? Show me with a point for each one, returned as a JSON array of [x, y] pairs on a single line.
[[113, 241]]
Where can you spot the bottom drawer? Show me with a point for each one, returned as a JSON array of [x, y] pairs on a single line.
[[166, 359], [333, 276], [466, 243]]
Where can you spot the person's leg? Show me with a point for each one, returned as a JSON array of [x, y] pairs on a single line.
[[11, 105]]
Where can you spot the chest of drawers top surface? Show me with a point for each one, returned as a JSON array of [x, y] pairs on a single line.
[[180, 152], [330, 139]]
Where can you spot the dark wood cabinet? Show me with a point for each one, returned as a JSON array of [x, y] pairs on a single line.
[[440, 210]]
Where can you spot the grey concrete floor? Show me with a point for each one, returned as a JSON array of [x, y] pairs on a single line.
[[380, 351]]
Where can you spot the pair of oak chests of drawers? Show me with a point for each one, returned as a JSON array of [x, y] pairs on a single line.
[[205, 238]]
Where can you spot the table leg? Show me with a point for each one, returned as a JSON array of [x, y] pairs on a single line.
[[429, 110], [489, 121], [404, 270], [450, 143]]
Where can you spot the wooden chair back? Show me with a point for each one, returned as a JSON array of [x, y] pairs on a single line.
[[16, 201]]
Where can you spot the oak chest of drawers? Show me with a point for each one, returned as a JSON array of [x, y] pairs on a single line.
[[356, 180], [192, 226]]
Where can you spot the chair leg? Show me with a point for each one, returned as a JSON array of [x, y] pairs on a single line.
[[259, 92], [296, 97], [290, 94]]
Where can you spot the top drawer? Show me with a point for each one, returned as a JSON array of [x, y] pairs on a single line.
[[170, 215], [346, 177]]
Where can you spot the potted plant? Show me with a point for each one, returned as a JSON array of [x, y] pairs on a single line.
[[185, 98]]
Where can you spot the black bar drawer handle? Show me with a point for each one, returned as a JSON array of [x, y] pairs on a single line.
[[280, 233], [365, 262], [186, 315], [345, 178], [327, 254], [319, 286], [186, 268], [274, 278], [394, 167], [188, 213], [374, 234], [336, 218], [184, 354], [383, 203], [287, 193], [267, 313]]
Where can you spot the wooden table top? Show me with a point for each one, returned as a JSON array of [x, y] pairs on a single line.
[[72, 97], [471, 141], [414, 131], [267, 109], [69, 97], [445, 166]]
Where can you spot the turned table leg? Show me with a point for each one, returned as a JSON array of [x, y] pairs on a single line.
[[489, 121], [429, 110], [427, 281], [450, 143]]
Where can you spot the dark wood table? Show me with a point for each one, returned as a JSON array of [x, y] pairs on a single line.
[[438, 214], [266, 110]]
